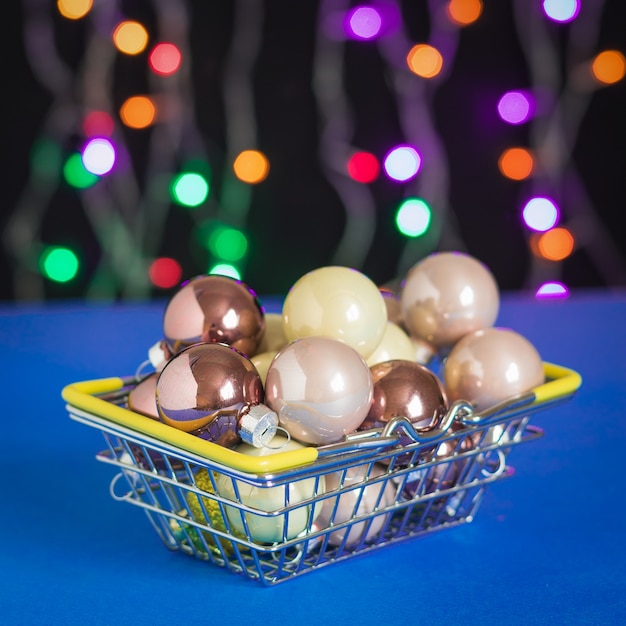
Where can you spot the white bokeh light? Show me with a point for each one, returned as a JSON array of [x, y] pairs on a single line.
[[99, 156], [402, 163], [540, 214]]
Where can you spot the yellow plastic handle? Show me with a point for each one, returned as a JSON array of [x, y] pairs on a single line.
[[562, 382], [83, 395]]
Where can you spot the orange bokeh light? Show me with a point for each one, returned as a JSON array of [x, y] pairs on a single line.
[[555, 244], [138, 112], [130, 37], [424, 60], [74, 9], [464, 12], [516, 163], [251, 166], [609, 67]]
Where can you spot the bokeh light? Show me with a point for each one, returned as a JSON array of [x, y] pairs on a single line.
[[98, 124], [46, 159], [413, 217], [363, 167], [402, 163], [99, 156], [75, 173], [165, 59], [138, 112], [251, 166], [74, 9], [227, 243], [609, 67], [556, 244], [561, 10], [424, 60], [516, 163], [225, 269], [464, 12], [540, 213], [165, 272], [363, 22], [189, 189], [58, 264], [551, 290], [515, 107], [130, 37]]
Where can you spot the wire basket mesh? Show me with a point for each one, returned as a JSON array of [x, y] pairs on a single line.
[[299, 514]]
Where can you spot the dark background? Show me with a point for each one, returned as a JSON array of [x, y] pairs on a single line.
[[295, 219]]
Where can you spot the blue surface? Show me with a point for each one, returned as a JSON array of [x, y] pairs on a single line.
[[547, 546]]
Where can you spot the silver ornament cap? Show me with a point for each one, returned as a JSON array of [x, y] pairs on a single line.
[[258, 425]]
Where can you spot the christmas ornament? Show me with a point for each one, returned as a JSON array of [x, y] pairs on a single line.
[[395, 344], [214, 309], [491, 365], [268, 529], [262, 362], [446, 296], [321, 389], [362, 498], [336, 302], [142, 398], [273, 338], [405, 389], [214, 391], [206, 510], [444, 474]]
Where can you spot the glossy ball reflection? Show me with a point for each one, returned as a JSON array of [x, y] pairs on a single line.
[[205, 388], [265, 528], [492, 365], [405, 389], [446, 296], [337, 302], [321, 389], [360, 496], [214, 309], [142, 398]]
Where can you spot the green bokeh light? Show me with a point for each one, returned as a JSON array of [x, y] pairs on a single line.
[[228, 244], [46, 159], [413, 217], [190, 189], [59, 264], [225, 269], [76, 175]]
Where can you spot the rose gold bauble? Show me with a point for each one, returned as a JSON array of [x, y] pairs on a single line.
[[446, 296], [407, 389], [142, 398], [359, 497], [214, 309], [491, 365], [205, 389]]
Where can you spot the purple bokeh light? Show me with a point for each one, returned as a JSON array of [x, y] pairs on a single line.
[[515, 107]]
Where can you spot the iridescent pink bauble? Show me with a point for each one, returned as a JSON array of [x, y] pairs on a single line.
[[491, 365], [446, 296], [321, 389]]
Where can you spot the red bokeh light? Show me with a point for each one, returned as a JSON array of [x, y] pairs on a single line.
[[363, 167], [165, 272]]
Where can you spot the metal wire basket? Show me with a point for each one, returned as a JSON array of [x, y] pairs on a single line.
[[276, 517]]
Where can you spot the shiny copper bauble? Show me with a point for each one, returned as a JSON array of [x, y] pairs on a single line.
[[205, 389], [214, 309]]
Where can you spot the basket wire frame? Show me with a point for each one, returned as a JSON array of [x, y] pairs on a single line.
[[197, 506]]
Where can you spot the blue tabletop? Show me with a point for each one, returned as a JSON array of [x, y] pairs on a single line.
[[547, 546]]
